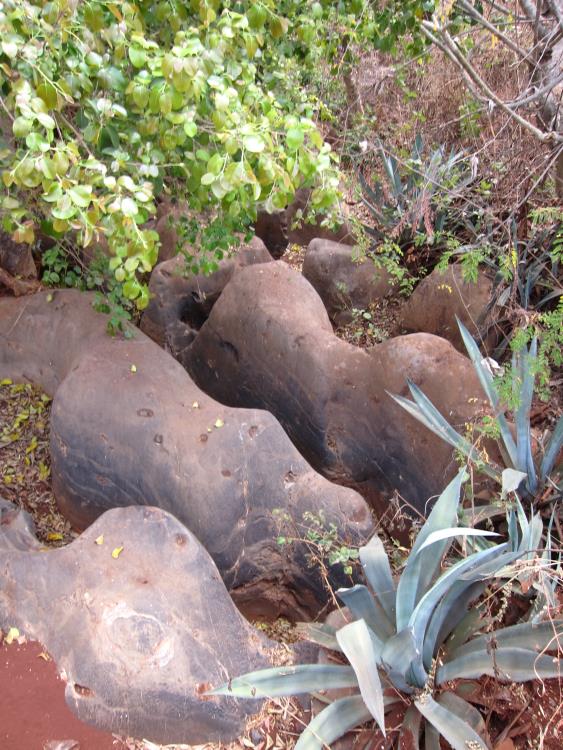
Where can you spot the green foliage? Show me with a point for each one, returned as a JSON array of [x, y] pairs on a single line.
[[408, 640], [414, 199], [517, 453]]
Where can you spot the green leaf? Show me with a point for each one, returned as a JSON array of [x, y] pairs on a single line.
[[399, 654], [81, 195], [533, 637], [279, 681], [45, 120], [438, 536], [294, 138], [254, 144], [333, 722], [129, 206], [363, 650], [190, 129], [320, 633], [454, 730], [466, 712], [208, 178], [137, 56]]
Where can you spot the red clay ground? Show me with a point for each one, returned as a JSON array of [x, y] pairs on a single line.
[[33, 711]]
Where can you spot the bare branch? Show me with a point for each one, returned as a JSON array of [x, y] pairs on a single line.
[[492, 28]]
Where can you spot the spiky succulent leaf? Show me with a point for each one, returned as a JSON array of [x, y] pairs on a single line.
[[448, 614], [362, 605], [363, 651], [466, 712], [522, 362], [424, 609], [378, 573], [553, 449], [409, 735], [454, 730], [486, 380], [431, 737], [280, 681], [471, 623], [437, 536], [398, 655], [532, 637], [333, 722], [423, 566], [320, 633], [507, 664]]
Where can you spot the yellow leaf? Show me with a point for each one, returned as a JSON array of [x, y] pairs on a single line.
[[116, 552], [219, 423], [45, 656], [6, 381], [195, 405], [13, 634], [133, 368], [55, 537], [99, 540]]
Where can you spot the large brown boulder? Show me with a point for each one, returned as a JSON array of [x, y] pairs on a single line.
[[268, 343], [343, 280], [444, 295], [281, 228], [137, 619], [180, 303], [130, 427]]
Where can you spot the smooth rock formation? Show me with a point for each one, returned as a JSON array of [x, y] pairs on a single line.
[[180, 305], [440, 297], [135, 614], [268, 343], [129, 427], [281, 228], [343, 281]]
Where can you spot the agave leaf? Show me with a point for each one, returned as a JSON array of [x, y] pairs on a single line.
[[410, 729], [280, 681], [431, 737], [422, 568], [424, 410], [506, 664], [466, 712], [486, 380], [398, 655], [447, 616], [378, 573], [495, 567], [454, 730], [363, 651], [511, 480], [532, 637], [362, 605], [333, 722], [424, 609], [526, 376], [437, 536], [471, 623], [320, 633], [553, 448]]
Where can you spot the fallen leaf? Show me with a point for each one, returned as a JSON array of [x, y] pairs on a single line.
[[6, 381], [99, 540], [133, 368], [195, 405], [13, 633], [116, 552], [45, 656], [55, 537], [219, 423]]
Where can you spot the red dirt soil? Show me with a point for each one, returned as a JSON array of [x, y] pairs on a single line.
[[33, 711]]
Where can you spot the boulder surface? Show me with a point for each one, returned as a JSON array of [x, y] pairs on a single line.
[[269, 344], [137, 619], [130, 427]]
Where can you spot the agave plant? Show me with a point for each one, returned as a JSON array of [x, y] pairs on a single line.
[[409, 642], [516, 451], [415, 195]]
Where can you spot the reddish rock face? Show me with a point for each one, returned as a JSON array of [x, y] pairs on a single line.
[[441, 297], [135, 614], [268, 344], [130, 427], [342, 280]]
